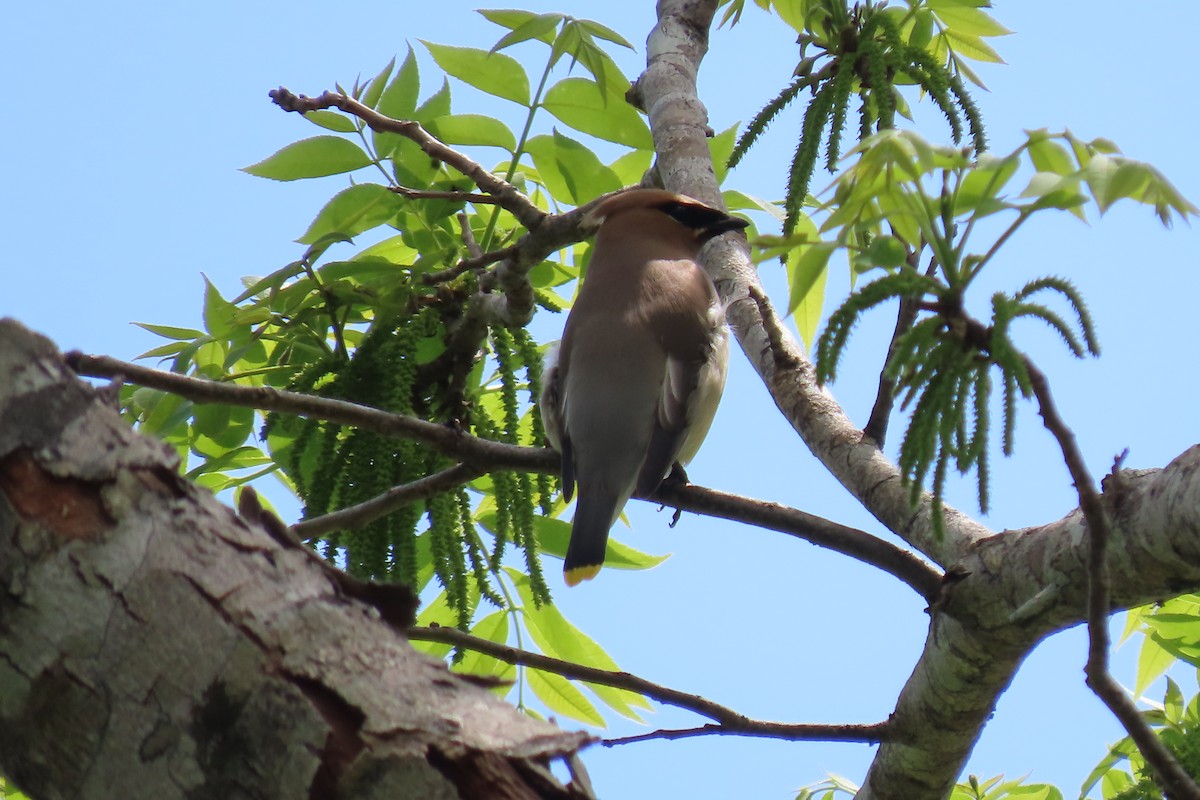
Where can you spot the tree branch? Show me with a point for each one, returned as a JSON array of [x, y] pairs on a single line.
[[392, 500], [1169, 774], [461, 446], [885, 397], [482, 455], [872, 733], [728, 721], [857, 544], [503, 194]]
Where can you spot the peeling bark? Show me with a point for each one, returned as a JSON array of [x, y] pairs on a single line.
[[155, 644]]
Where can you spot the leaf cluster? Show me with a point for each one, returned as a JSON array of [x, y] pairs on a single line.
[[931, 199], [869, 50]]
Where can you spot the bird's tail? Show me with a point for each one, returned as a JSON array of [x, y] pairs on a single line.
[[594, 515]]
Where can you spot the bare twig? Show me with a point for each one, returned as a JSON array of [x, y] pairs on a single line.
[[885, 397], [429, 194], [900, 563], [468, 237], [503, 194], [728, 721], [1170, 775], [468, 264], [392, 500], [872, 733], [463, 447]]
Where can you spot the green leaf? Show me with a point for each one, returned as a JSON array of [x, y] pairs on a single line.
[[331, 120], [571, 172], [399, 99], [375, 89], [1055, 191], [539, 26], [495, 73], [562, 697], [1048, 155], [473, 129], [221, 428], [972, 47], [806, 296], [886, 251], [352, 211], [436, 105], [311, 158], [630, 167], [721, 147], [604, 32], [965, 19], [579, 103], [171, 332], [557, 637], [493, 628], [980, 189], [1153, 661], [219, 313], [553, 535]]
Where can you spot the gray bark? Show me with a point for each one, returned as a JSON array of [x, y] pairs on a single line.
[[155, 644]]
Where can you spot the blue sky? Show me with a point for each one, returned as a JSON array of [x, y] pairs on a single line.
[[123, 131]]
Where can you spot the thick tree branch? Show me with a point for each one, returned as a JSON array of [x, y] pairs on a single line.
[[157, 644], [728, 721]]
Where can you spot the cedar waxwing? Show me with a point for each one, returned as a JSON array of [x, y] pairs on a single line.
[[633, 386]]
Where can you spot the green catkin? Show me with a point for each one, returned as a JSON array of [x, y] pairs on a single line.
[[527, 348], [475, 552], [979, 445], [841, 86], [805, 160], [763, 118], [502, 530]]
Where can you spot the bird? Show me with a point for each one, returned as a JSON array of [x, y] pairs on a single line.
[[631, 389]]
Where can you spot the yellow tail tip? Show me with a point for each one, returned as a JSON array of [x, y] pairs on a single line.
[[578, 575]]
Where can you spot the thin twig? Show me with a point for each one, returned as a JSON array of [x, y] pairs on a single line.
[[468, 236], [429, 194], [885, 397], [468, 264], [1170, 775], [392, 500], [728, 721], [872, 733], [441, 438], [860, 545], [504, 194]]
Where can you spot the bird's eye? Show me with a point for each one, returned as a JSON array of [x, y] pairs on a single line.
[[696, 217]]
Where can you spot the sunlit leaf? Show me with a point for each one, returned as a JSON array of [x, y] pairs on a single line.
[[352, 211], [311, 158], [578, 102], [473, 129], [495, 73], [571, 171], [562, 697]]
